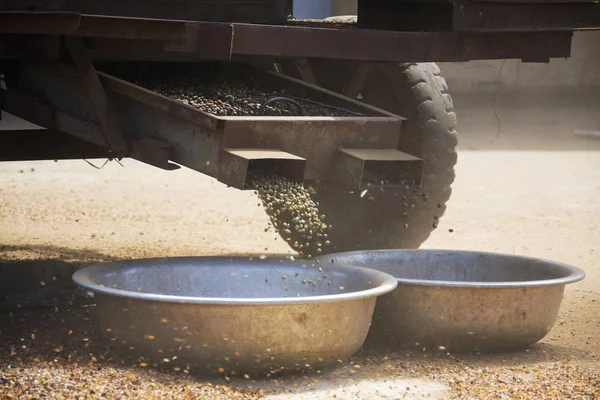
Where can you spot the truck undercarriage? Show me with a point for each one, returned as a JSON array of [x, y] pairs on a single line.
[[384, 164]]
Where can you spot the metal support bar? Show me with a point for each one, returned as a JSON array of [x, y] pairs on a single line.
[[357, 81], [116, 142], [306, 71], [151, 151], [299, 68], [375, 46]]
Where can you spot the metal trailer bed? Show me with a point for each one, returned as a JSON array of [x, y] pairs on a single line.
[[37, 38]]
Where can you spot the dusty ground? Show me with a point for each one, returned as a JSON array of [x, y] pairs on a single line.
[[534, 190]]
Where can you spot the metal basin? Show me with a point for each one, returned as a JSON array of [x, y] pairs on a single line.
[[464, 301], [232, 314]]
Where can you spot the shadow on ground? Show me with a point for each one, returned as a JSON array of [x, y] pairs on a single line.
[[38, 276], [535, 354], [68, 334], [63, 349]]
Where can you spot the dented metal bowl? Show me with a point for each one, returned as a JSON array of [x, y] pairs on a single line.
[[234, 314], [464, 300]]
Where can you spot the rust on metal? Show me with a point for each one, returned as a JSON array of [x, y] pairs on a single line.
[[363, 168]]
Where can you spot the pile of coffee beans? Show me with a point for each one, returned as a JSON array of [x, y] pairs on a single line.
[[216, 90]]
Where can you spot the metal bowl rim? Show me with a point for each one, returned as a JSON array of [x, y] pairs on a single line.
[[81, 278], [573, 274]]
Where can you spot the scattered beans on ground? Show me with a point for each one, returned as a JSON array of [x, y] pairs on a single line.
[[58, 353]]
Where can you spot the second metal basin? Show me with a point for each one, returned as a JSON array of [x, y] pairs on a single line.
[[463, 300], [234, 315]]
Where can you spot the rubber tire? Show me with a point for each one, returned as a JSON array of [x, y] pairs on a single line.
[[381, 219]]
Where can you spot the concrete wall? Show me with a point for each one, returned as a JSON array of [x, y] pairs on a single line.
[[580, 71]]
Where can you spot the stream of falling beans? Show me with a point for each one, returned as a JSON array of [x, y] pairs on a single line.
[[293, 213]]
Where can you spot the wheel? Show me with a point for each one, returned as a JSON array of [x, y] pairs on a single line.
[[395, 217]]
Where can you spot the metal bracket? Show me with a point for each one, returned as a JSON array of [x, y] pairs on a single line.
[[115, 140], [359, 76], [148, 150], [152, 151], [299, 68]]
